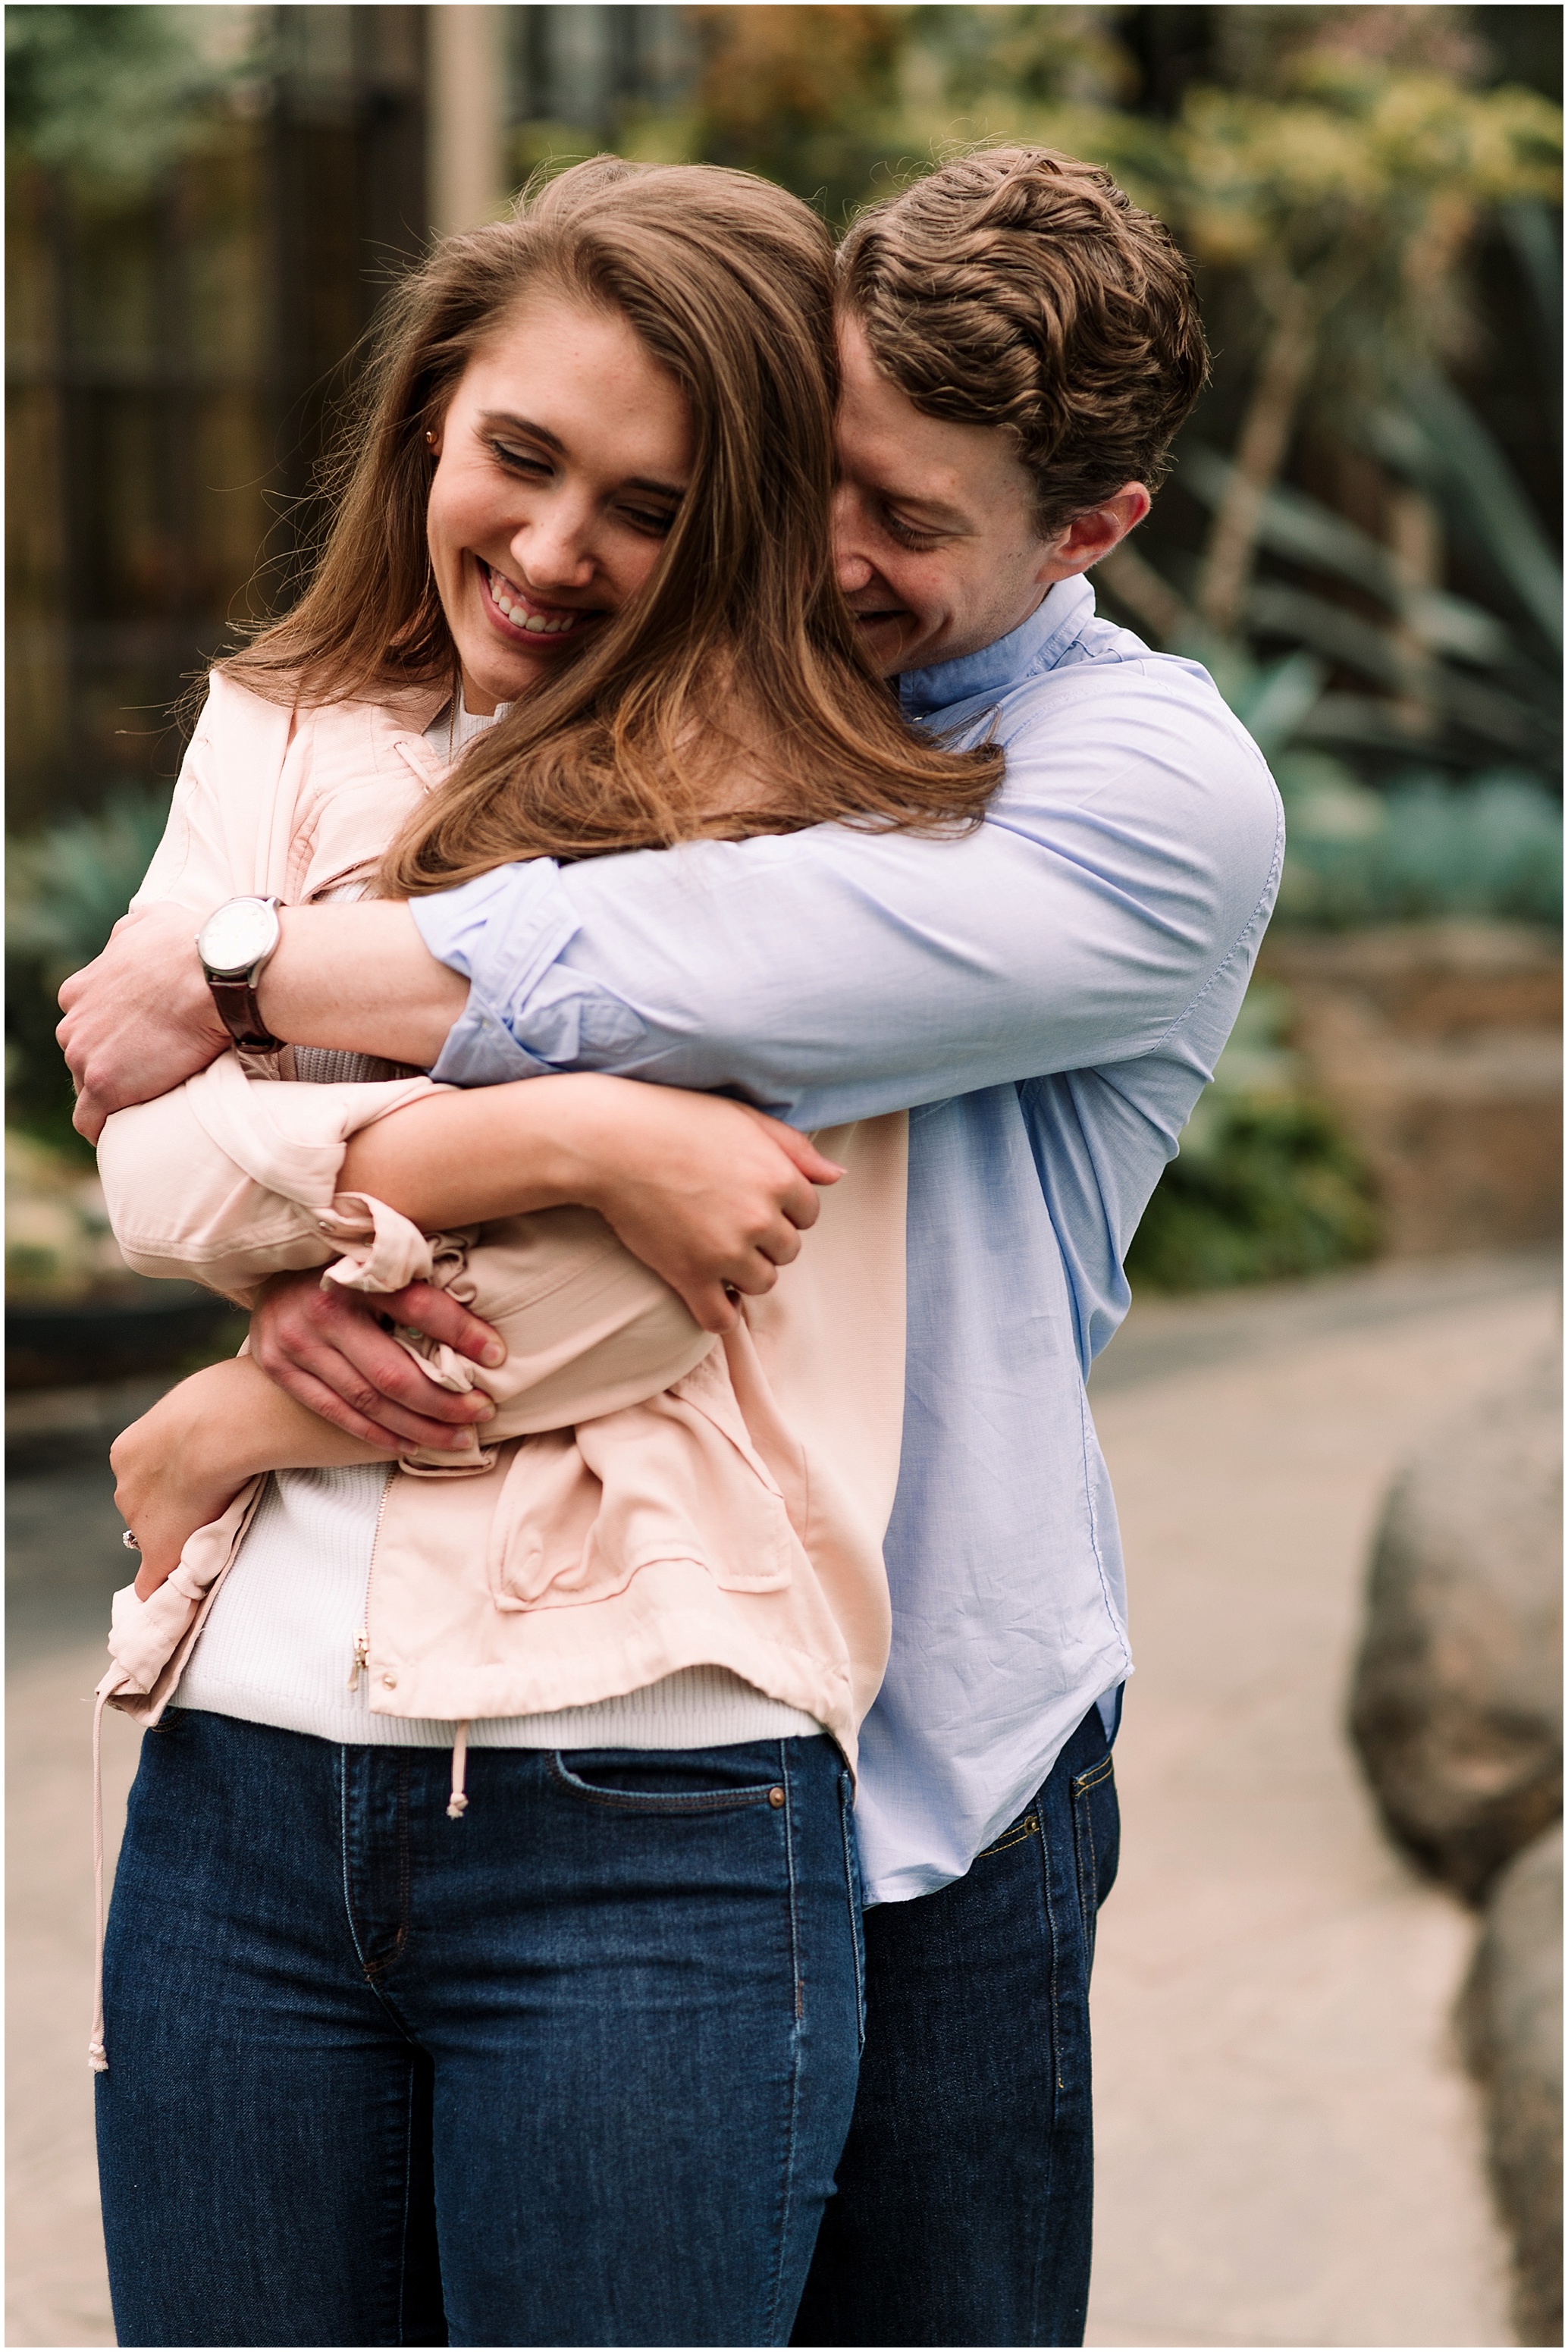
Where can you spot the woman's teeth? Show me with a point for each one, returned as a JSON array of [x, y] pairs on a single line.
[[535, 623]]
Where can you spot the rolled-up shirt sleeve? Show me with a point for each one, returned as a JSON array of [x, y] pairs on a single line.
[[837, 974]]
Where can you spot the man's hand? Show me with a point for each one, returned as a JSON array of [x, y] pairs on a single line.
[[140, 1018], [327, 1348]]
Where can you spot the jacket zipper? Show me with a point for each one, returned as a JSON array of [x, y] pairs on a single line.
[[362, 1639]]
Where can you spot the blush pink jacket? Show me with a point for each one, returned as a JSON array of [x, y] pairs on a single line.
[[655, 1500]]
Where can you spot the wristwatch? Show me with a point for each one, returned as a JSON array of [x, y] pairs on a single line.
[[234, 944]]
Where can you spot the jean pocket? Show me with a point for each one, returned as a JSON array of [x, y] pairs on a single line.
[[671, 1781]]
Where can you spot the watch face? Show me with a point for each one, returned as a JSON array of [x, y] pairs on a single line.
[[237, 936]]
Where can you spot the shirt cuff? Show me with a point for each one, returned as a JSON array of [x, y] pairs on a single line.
[[502, 932]]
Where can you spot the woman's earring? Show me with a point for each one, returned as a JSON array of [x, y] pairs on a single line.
[[431, 440]]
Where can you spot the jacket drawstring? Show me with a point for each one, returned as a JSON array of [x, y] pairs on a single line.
[[458, 1804], [95, 2048]]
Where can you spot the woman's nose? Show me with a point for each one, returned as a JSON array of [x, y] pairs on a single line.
[[553, 553]]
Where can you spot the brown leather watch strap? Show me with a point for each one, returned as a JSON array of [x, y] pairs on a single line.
[[241, 1015]]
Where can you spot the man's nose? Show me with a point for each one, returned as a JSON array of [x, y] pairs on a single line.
[[852, 570]]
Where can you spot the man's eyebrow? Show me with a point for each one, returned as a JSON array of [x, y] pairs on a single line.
[[511, 422]]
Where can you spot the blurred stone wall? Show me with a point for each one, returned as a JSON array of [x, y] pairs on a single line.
[[1439, 1048]]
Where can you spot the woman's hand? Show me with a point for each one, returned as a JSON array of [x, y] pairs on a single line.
[[181, 1465], [712, 1195]]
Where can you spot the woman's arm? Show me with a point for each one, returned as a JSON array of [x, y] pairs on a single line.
[[182, 1465], [710, 1195]]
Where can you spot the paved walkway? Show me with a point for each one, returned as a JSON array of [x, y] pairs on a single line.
[[1288, 2152]]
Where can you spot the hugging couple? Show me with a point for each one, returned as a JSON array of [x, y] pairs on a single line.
[[707, 942]]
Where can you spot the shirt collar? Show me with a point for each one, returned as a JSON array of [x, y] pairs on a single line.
[[1037, 645]]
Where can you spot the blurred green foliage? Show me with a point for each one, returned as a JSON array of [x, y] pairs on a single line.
[[112, 97], [66, 888], [1266, 1186], [1425, 849]]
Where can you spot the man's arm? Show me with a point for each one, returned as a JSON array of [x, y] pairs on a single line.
[[830, 974], [834, 974]]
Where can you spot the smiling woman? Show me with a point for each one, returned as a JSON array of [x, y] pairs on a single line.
[[560, 467], [690, 664]]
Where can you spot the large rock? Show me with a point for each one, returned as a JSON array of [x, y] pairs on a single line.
[[1513, 2021], [1456, 1705], [1439, 1048]]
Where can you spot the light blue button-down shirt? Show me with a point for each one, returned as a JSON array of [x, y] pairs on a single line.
[[1049, 997]]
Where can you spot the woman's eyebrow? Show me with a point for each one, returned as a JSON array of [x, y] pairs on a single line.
[[515, 424], [509, 420]]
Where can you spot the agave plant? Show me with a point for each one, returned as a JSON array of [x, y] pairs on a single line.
[[68, 887], [65, 891]]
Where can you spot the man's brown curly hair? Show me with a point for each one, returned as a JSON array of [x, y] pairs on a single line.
[[1022, 288]]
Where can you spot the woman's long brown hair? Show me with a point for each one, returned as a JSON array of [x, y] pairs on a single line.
[[735, 670]]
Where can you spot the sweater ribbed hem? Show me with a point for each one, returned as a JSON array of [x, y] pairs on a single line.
[[702, 1707]]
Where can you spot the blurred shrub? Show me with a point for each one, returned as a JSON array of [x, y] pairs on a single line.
[[1493, 849], [1269, 1192], [65, 890], [111, 96], [1265, 1186], [58, 1246]]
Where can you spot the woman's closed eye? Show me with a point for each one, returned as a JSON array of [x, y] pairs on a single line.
[[654, 522], [527, 462]]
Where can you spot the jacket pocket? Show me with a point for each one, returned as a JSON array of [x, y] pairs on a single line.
[[676, 1479]]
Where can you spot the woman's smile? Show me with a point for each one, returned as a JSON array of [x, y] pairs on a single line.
[[517, 612]]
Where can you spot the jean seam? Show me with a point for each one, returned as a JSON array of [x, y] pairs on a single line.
[[786, 2184], [348, 1883], [1027, 1828], [1056, 2085], [1084, 1782], [369, 1970], [852, 1892], [1087, 1865], [407, 2200]]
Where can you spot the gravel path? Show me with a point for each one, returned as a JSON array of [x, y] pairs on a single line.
[[1287, 2150]]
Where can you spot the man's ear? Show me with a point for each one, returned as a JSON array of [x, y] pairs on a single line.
[[1090, 536]]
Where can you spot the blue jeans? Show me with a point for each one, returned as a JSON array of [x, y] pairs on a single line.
[[575, 2069], [965, 2191]]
